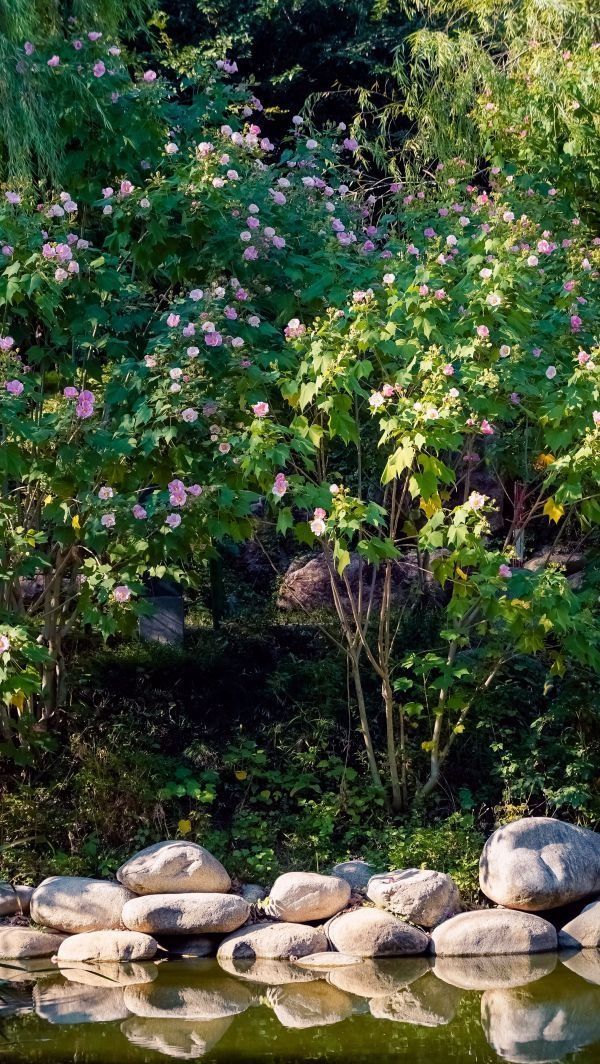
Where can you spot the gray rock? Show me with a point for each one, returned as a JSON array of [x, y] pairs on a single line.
[[24, 896], [427, 1003], [316, 1004], [584, 930], [375, 933], [540, 863], [23, 942], [272, 941], [356, 873], [119, 946], [379, 978], [185, 914], [253, 893], [492, 931], [307, 896], [420, 895], [65, 1003], [9, 903], [215, 997], [544, 1022], [175, 867], [106, 974], [182, 1039], [76, 904], [494, 973]]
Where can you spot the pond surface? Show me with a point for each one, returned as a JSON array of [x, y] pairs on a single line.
[[517, 1009]]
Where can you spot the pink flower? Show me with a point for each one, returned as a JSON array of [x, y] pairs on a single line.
[[483, 331], [126, 188], [429, 232], [108, 520], [4, 644], [70, 392], [505, 571], [173, 520], [596, 417], [504, 351], [192, 351], [376, 400], [515, 398], [54, 61], [12, 198], [551, 372], [350, 144], [7, 250], [105, 492], [294, 329], [177, 493], [476, 500], [423, 290], [213, 339], [569, 286], [486, 428], [440, 293], [387, 390], [260, 409], [139, 512], [317, 525], [149, 75], [196, 294], [280, 486], [250, 254], [195, 490], [493, 300], [576, 323], [6, 342], [583, 357], [28, 48], [122, 593], [224, 448], [99, 69], [189, 415], [173, 321], [448, 370], [94, 35], [14, 387]]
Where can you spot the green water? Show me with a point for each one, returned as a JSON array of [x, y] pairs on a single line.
[[488, 1009]]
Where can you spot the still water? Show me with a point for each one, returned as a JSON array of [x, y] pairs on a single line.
[[521, 1009]]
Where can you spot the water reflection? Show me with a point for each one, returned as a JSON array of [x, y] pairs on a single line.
[[519, 1009]]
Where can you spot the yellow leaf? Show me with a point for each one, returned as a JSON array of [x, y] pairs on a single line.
[[240, 774], [75, 521], [17, 699], [458, 729], [430, 506], [184, 827], [48, 500], [543, 460], [553, 510], [461, 573]]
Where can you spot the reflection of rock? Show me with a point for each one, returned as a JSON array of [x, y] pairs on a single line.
[[584, 930], [420, 895], [185, 914], [28, 971], [272, 941], [175, 867], [490, 973], [356, 873], [486, 932], [115, 946], [585, 963], [304, 896], [183, 1039], [314, 1004], [540, 863], [267, 971], [23, 942], [427, 1003], [68, 1003], [543, 1022], [379, 978], [375, 933], [189, 945], [76, 903], [107, 975], [201, 993], [327, 962]]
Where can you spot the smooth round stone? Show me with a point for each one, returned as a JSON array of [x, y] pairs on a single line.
[[76, 904], [272, 941], [375, 933], [174, 867], [492, 931], [106, 974], [119, 946], [583, 931], [316, 1004], [427, 1003], [327, 961], [9, 903], [491, 973], [379, 978], [182, 1039], [185, 914], [214, 998], [65, 1003], [356, 873], [300, 897], [540, 863], [420, 895], [23, 942]]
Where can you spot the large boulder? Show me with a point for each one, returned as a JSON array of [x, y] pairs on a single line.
[[356, 873], [496, 972], [117, 946], [306, 896], [21, 942], [584, 930], [76, 904], [175, 867], [272, 941], [185, 914], [182, 1039], [420, 895], [492, 931], [540, 863], [375, 933], [306, 585]]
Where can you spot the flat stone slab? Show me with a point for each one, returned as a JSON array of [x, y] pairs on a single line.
[[327, 961], [174, 867], [185, 914], [120, 946], [76, 903], [487, 932]]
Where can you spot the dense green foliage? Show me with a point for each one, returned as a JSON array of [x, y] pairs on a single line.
[[374, 338]]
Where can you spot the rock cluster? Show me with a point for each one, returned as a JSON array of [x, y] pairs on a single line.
[[175, 899]]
